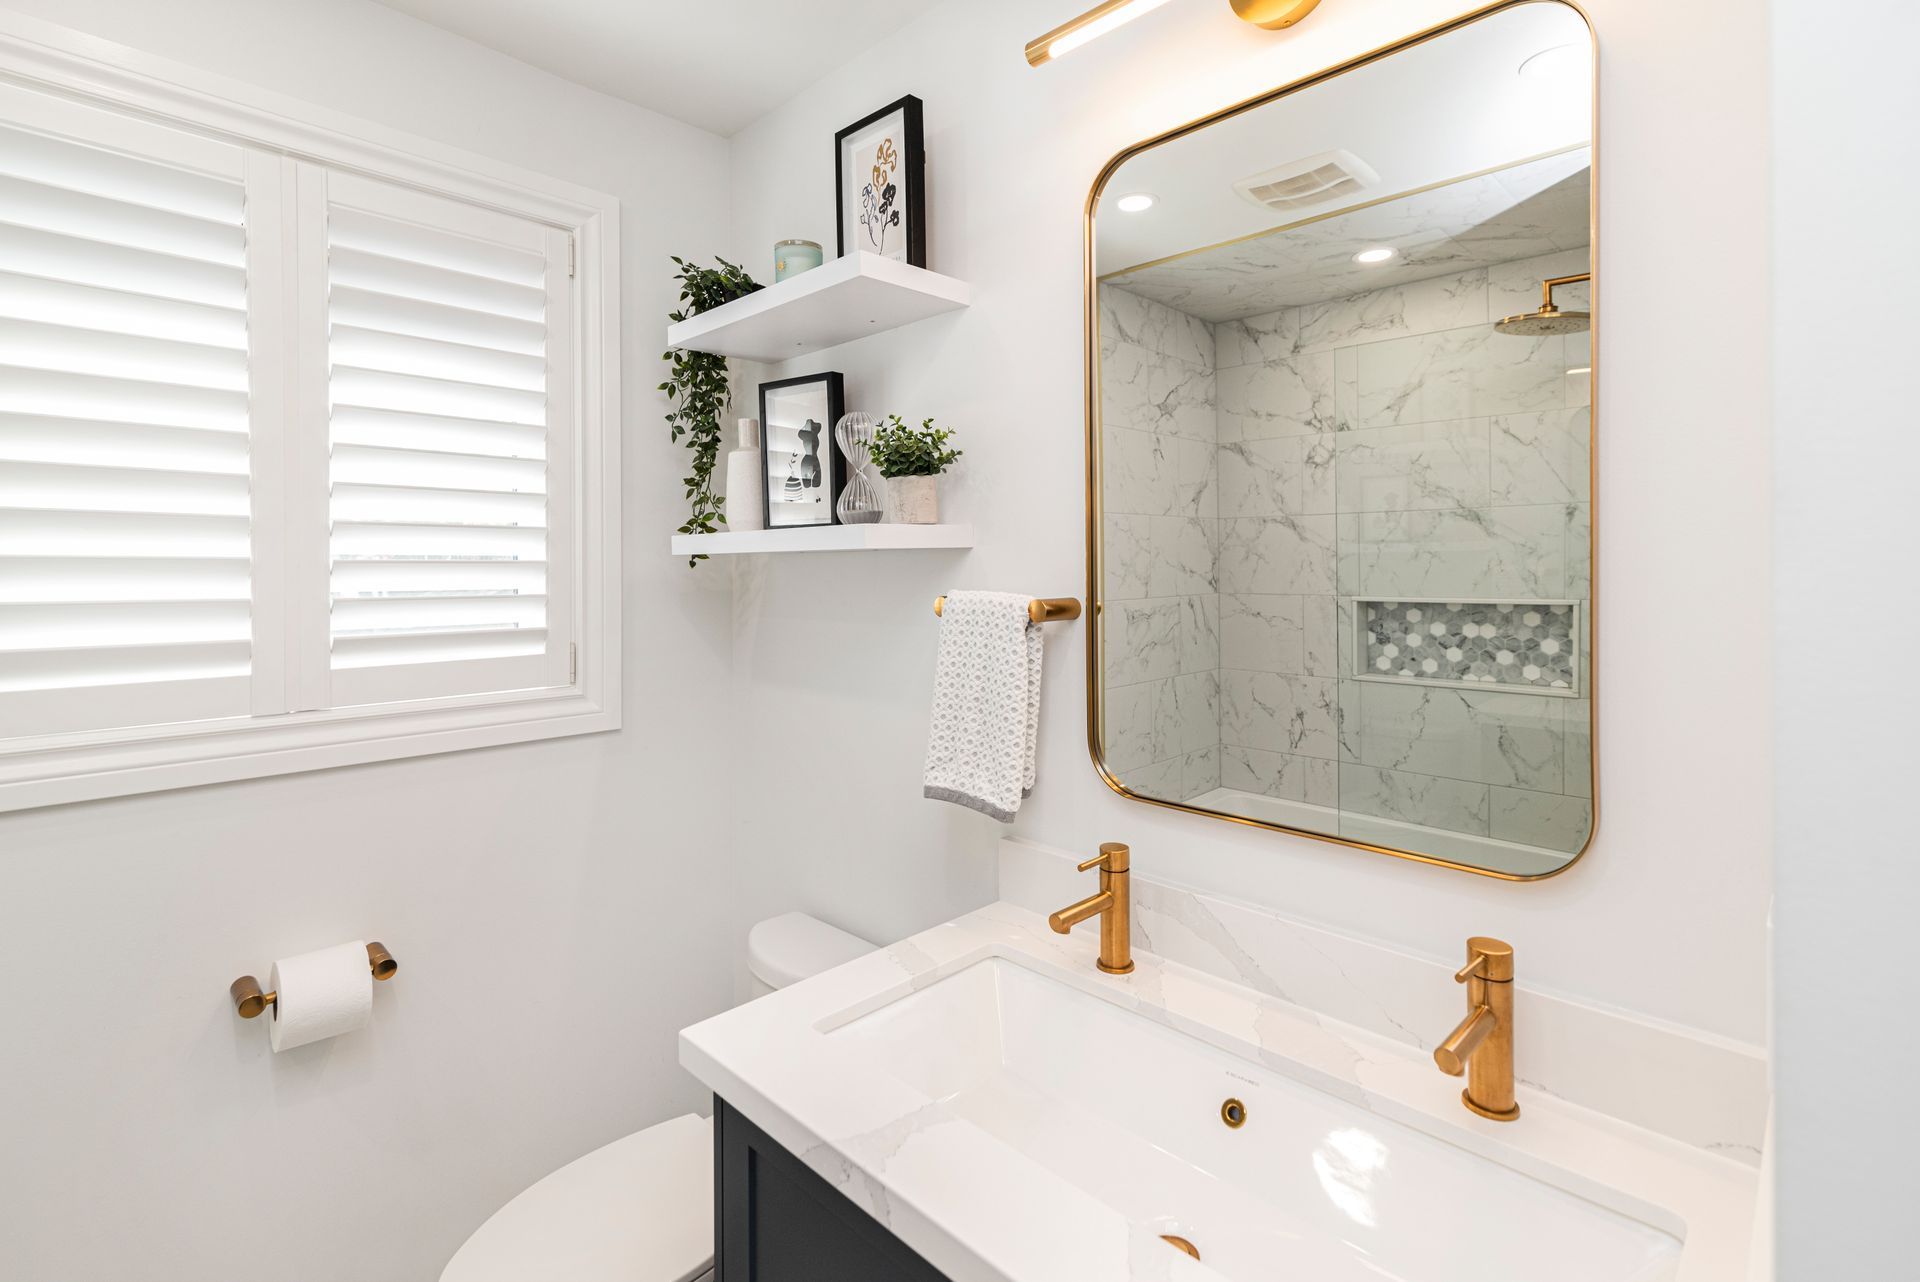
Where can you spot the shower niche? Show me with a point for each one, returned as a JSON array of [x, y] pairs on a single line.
[[1340, 421]]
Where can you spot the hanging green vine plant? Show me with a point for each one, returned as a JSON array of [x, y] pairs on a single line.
[[698, 389]]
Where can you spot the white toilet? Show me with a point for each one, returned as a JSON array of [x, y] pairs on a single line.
[[640, 1209]]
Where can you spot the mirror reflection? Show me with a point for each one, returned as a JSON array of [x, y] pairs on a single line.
[[1342, 413]]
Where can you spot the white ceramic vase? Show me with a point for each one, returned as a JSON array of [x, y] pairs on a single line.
[[915, 500], [746, 506]]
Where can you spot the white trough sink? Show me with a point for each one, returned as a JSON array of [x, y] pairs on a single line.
[[1308, 1187]]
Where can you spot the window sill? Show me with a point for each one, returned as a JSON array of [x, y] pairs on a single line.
[[260, 747]]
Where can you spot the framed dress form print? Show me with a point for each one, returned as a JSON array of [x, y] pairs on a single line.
[[879, 169], [803, 473]]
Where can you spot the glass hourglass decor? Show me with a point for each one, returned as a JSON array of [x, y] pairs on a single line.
[[861, 502]]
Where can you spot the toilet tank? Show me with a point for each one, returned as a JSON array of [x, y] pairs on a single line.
[[793, 946]]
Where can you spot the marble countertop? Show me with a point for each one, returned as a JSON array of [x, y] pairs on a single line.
[[979, 1210]]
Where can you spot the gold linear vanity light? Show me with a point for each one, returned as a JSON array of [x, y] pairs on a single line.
[[1091, 25], [1274, 15]]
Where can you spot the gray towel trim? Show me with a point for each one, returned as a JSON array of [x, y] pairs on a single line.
[[971, 802]]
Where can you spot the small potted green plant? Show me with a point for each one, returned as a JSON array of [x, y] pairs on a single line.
[[912, 460]]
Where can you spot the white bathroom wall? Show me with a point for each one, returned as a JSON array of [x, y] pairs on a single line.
[[552, 905], [1847, 1117], [1665, 916]]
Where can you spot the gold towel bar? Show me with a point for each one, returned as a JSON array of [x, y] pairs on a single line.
[[249, 1001], [1049, 609]]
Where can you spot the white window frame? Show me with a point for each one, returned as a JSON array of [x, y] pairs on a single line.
[[56, 769]]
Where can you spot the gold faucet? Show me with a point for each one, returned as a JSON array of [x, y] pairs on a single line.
[[1482, 1045], [1114, 903]]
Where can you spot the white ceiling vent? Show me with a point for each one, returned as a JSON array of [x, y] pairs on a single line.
[[1312, 181]]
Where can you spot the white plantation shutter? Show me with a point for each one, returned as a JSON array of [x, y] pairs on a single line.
[[450, 390], [294, 460], [124, 426]]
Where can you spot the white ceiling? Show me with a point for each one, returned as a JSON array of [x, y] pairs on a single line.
[[718, 64]]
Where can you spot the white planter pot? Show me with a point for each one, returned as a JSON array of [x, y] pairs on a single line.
[[915, 500]]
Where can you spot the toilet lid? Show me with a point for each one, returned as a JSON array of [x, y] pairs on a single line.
[[638, 1210]]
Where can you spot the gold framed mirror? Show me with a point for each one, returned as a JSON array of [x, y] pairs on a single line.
[[1339, 355]]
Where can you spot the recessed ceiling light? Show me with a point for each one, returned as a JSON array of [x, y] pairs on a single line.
[[1560, 60], [1378, 254], [1139, 202]]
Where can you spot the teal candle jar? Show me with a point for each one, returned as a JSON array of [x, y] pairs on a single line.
[[791, 257]]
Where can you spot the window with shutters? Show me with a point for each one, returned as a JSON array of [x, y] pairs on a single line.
[[301, 462]]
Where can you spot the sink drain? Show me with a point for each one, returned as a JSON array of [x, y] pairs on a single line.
[[1181, 1244], [1234, 1114]]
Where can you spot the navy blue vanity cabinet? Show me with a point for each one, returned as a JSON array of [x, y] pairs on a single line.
[[775, 1220]]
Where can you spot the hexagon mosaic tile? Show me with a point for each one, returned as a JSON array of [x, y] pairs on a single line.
[[1520, 644]]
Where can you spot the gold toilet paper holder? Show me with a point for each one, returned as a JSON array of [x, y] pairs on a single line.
[[249, 1000]]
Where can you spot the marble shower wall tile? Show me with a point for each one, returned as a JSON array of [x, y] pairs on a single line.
[[1127, 317], [1136, 473], [1263, 632], [1312, 780], [1180, 554], [1263, 477], [1199, 773], [1199, 632], [1152, 474], [1195, 473], [1421, 468], [1288, 554], [1293, 395], [1278, 713], [1579, 719], [1147, 391], [1541, 458], [1458, 373], [1156, 779], [1127, 556], [1257, 340], [1319, 464], [1549, 820], [1577, 519], [1515, 740], [1460, 553], [1453, 804], [1187, 713], [1141, 640], [1440, 302], [1129, 742], [1320, 629]]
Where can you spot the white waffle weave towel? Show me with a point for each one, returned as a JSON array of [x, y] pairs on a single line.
[[986, 704]]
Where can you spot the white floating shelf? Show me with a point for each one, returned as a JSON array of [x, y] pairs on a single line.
[[850, 297], [825, 538]]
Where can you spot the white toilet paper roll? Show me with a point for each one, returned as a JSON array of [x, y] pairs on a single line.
[[321, 994]]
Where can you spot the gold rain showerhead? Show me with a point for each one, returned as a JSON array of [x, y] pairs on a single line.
[[1549, 319]]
